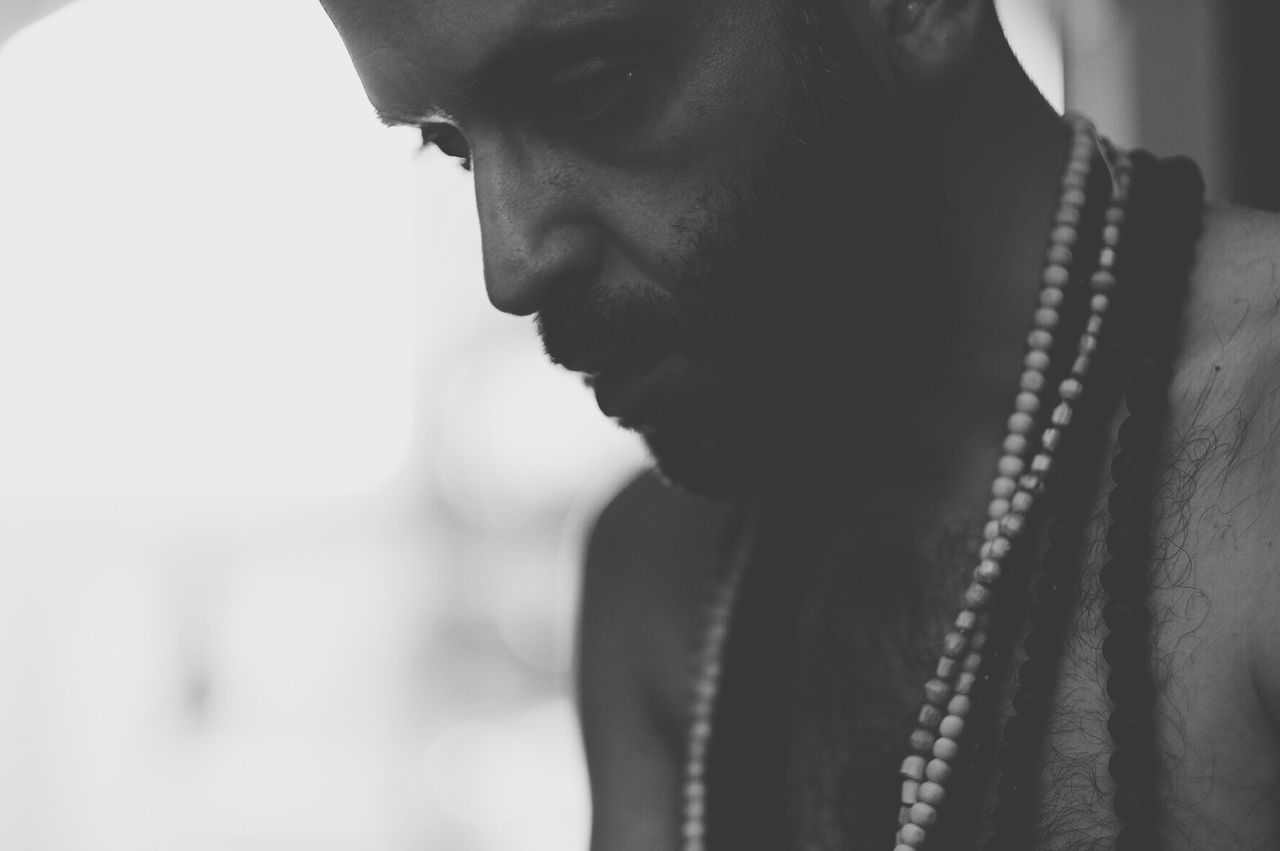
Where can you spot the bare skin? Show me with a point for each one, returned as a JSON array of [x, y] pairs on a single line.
[[566, 200], [1215, 595]]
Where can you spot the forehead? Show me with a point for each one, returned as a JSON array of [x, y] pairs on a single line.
[[413, 55]]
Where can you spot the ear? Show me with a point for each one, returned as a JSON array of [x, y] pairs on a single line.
[[932, 43]]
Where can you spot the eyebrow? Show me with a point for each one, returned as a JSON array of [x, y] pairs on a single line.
[[536, 49]]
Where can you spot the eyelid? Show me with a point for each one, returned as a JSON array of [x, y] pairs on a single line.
[[602, 82], [590, 68]]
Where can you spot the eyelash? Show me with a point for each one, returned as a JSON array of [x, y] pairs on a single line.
[[558, 97], [443, 137]]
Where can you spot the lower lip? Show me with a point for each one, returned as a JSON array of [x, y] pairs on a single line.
[[624, 394], [634, 396]]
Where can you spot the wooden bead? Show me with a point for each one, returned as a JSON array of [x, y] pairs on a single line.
[[946, 668], [1051, 298], [973, 663], [979, 639], [1108, 258], [1051, 438], [977, 596], [955, 644], [1099, 305], [1040, 339], [1067, 216], [1000, 548], [1046, 318], [1061, 416], [1094, 325], [987, 571], [1080, 368], [1037, 360], [1011, 525], [1056, 275], [1003, 487], [932, 792], [1042, 463], [1021, 502], [1011, 466], [1015, 444], [912, 835], [966, 620], [925, 815], [947, 749], [1102, 281], [1115, 215], [913, 767], [1020, 423], [921, 741], [964, 682], [1070, 389], [938, 770], [1111, 235], [951, 727], [910, 789], [937, 691], [1059, 255], [930, 717]]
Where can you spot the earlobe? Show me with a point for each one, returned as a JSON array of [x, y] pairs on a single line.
[[932, 42]]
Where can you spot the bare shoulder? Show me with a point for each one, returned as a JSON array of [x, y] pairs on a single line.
[[1227, 372], [648, 557], [1223, 510], [647, 565], [1234, 301]]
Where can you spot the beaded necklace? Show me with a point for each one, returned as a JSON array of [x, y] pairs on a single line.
[[1020, 480]]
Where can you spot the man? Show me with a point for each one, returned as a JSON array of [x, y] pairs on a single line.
[[796, 245]]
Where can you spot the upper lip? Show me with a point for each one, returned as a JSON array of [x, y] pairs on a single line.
[[592, 364]]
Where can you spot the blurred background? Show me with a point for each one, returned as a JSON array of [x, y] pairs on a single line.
[[290, 519]]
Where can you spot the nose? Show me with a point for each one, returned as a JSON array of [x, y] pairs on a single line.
[[535, 227]]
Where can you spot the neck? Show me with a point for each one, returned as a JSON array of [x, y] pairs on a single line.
[[1002, 149]]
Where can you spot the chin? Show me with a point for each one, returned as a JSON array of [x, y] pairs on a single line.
[[717, 460]]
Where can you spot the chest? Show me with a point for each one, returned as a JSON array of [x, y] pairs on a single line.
[[867, 639]]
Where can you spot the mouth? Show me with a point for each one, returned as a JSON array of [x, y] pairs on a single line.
[[643, 394], [627, 391]]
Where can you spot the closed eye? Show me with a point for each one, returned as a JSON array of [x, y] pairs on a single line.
[[588, 94]]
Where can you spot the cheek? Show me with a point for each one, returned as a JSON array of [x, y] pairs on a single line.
[[728, 117]]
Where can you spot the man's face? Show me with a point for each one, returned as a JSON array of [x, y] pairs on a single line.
[[703, 201]]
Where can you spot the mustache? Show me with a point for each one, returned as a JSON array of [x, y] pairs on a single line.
[[587, 328]]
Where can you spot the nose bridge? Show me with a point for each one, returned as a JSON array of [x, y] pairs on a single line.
[[535, 228]]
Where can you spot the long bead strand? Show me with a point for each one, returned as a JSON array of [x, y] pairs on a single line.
[[1008, 515], [1013, 815]]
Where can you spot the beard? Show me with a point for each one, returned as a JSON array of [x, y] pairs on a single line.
[[803, 314]]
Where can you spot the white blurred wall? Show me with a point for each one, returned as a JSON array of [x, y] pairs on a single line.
[[289, 517]]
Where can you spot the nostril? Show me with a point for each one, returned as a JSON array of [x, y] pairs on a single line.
[[521, 281]]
